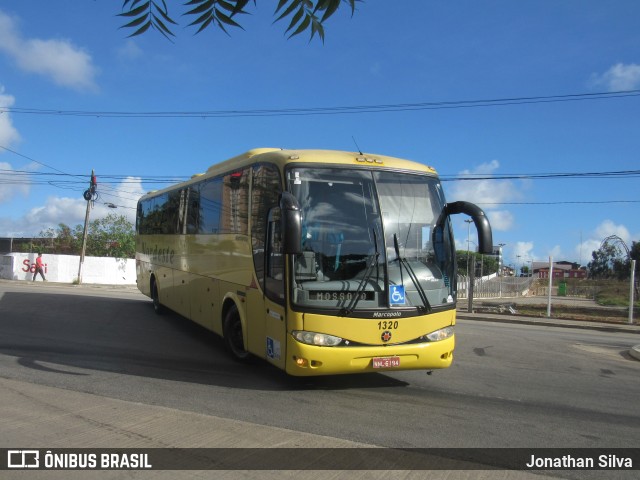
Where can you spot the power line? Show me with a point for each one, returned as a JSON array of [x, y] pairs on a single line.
[[77, 181], [579, 202], [338, 110], [540, 176], [171, 179]]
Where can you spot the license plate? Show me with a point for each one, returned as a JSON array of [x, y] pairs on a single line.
[[386, 362]]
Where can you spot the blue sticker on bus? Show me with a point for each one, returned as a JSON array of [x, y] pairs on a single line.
[[273, 348], [396, 294]]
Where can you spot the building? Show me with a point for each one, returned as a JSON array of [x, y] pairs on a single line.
[[560, 270]]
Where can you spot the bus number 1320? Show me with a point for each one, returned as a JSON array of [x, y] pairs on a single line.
[[388, 325]]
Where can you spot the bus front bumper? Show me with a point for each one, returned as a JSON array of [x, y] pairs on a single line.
[[308, 360]]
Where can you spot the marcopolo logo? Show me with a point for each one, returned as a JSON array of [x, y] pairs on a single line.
[[23, 459]]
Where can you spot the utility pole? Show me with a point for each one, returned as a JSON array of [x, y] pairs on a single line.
[[550, 286], [89, 195], [469, 286], [631, 290]]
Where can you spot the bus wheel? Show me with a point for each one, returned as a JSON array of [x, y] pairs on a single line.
[[232, 330], [157, 306]]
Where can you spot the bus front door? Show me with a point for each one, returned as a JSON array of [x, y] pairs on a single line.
[[274, 286]]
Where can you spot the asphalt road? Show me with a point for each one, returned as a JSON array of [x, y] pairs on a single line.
[[509, 386]]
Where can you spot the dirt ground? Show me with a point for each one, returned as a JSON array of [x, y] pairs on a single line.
[[571, 308]]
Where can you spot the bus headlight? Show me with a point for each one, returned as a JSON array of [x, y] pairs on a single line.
[[439, 335], [313, 338]]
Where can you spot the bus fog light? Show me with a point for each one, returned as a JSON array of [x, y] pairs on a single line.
[[313, 338], [439, 335], [301, 362]]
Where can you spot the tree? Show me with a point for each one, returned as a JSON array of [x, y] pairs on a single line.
[[634, 253], [112, 236], [63, 240], [303, 14], [607, 263], [485, 264]]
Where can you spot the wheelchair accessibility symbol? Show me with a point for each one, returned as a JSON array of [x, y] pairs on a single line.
[[396, 294]]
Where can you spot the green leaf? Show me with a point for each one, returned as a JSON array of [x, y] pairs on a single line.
[[202, 18], [333, 6], [205, 6], [281, 4], [135, 12], [133, 4], [166, 16], [205, 24], [163, 28], [136, 22], [290, 8], [142, 29], [296, 19], [239, 8], [225, 5], [225, 19], [303, 26], [316, 27]]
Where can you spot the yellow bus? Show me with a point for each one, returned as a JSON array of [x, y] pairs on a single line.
[[319, 262]]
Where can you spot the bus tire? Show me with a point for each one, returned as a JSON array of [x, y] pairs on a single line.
[[155, 297], [233, 340]]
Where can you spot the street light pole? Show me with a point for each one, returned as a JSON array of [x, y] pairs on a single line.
[[468, 221], [500, 268]]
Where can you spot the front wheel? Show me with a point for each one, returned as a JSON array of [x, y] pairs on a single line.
[[157, 306], [232, 330]]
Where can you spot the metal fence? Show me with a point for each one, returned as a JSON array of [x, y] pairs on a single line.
[[595, 299], [495, 287]]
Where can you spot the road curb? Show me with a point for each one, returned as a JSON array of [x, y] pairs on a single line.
[[635, 352], [602, 327]]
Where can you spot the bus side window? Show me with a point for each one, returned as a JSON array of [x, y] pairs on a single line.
[[274, 260]]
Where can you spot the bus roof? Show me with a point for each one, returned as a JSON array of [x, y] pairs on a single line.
[[281, 157]]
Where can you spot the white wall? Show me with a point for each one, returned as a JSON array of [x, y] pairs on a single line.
[[64, 268]]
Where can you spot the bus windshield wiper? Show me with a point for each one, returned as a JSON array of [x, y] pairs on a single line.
[[373, 260], [403, 261]]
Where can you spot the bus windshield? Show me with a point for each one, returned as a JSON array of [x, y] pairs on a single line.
[[370, 240]]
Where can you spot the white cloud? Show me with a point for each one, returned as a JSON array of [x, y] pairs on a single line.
[[8, 133], [584, 250], [124, 196], [60, 60], [488, 194], [556, 253], [129, 51], [71, 211], [11, 183], [523, 251], [608, 228], [619, 77], [605, 229], [501, 220]]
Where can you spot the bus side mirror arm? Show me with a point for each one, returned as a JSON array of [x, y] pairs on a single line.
[[291, 223], [480, 220]]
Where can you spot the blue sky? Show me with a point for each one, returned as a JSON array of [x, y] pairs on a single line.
[[62, 58]]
